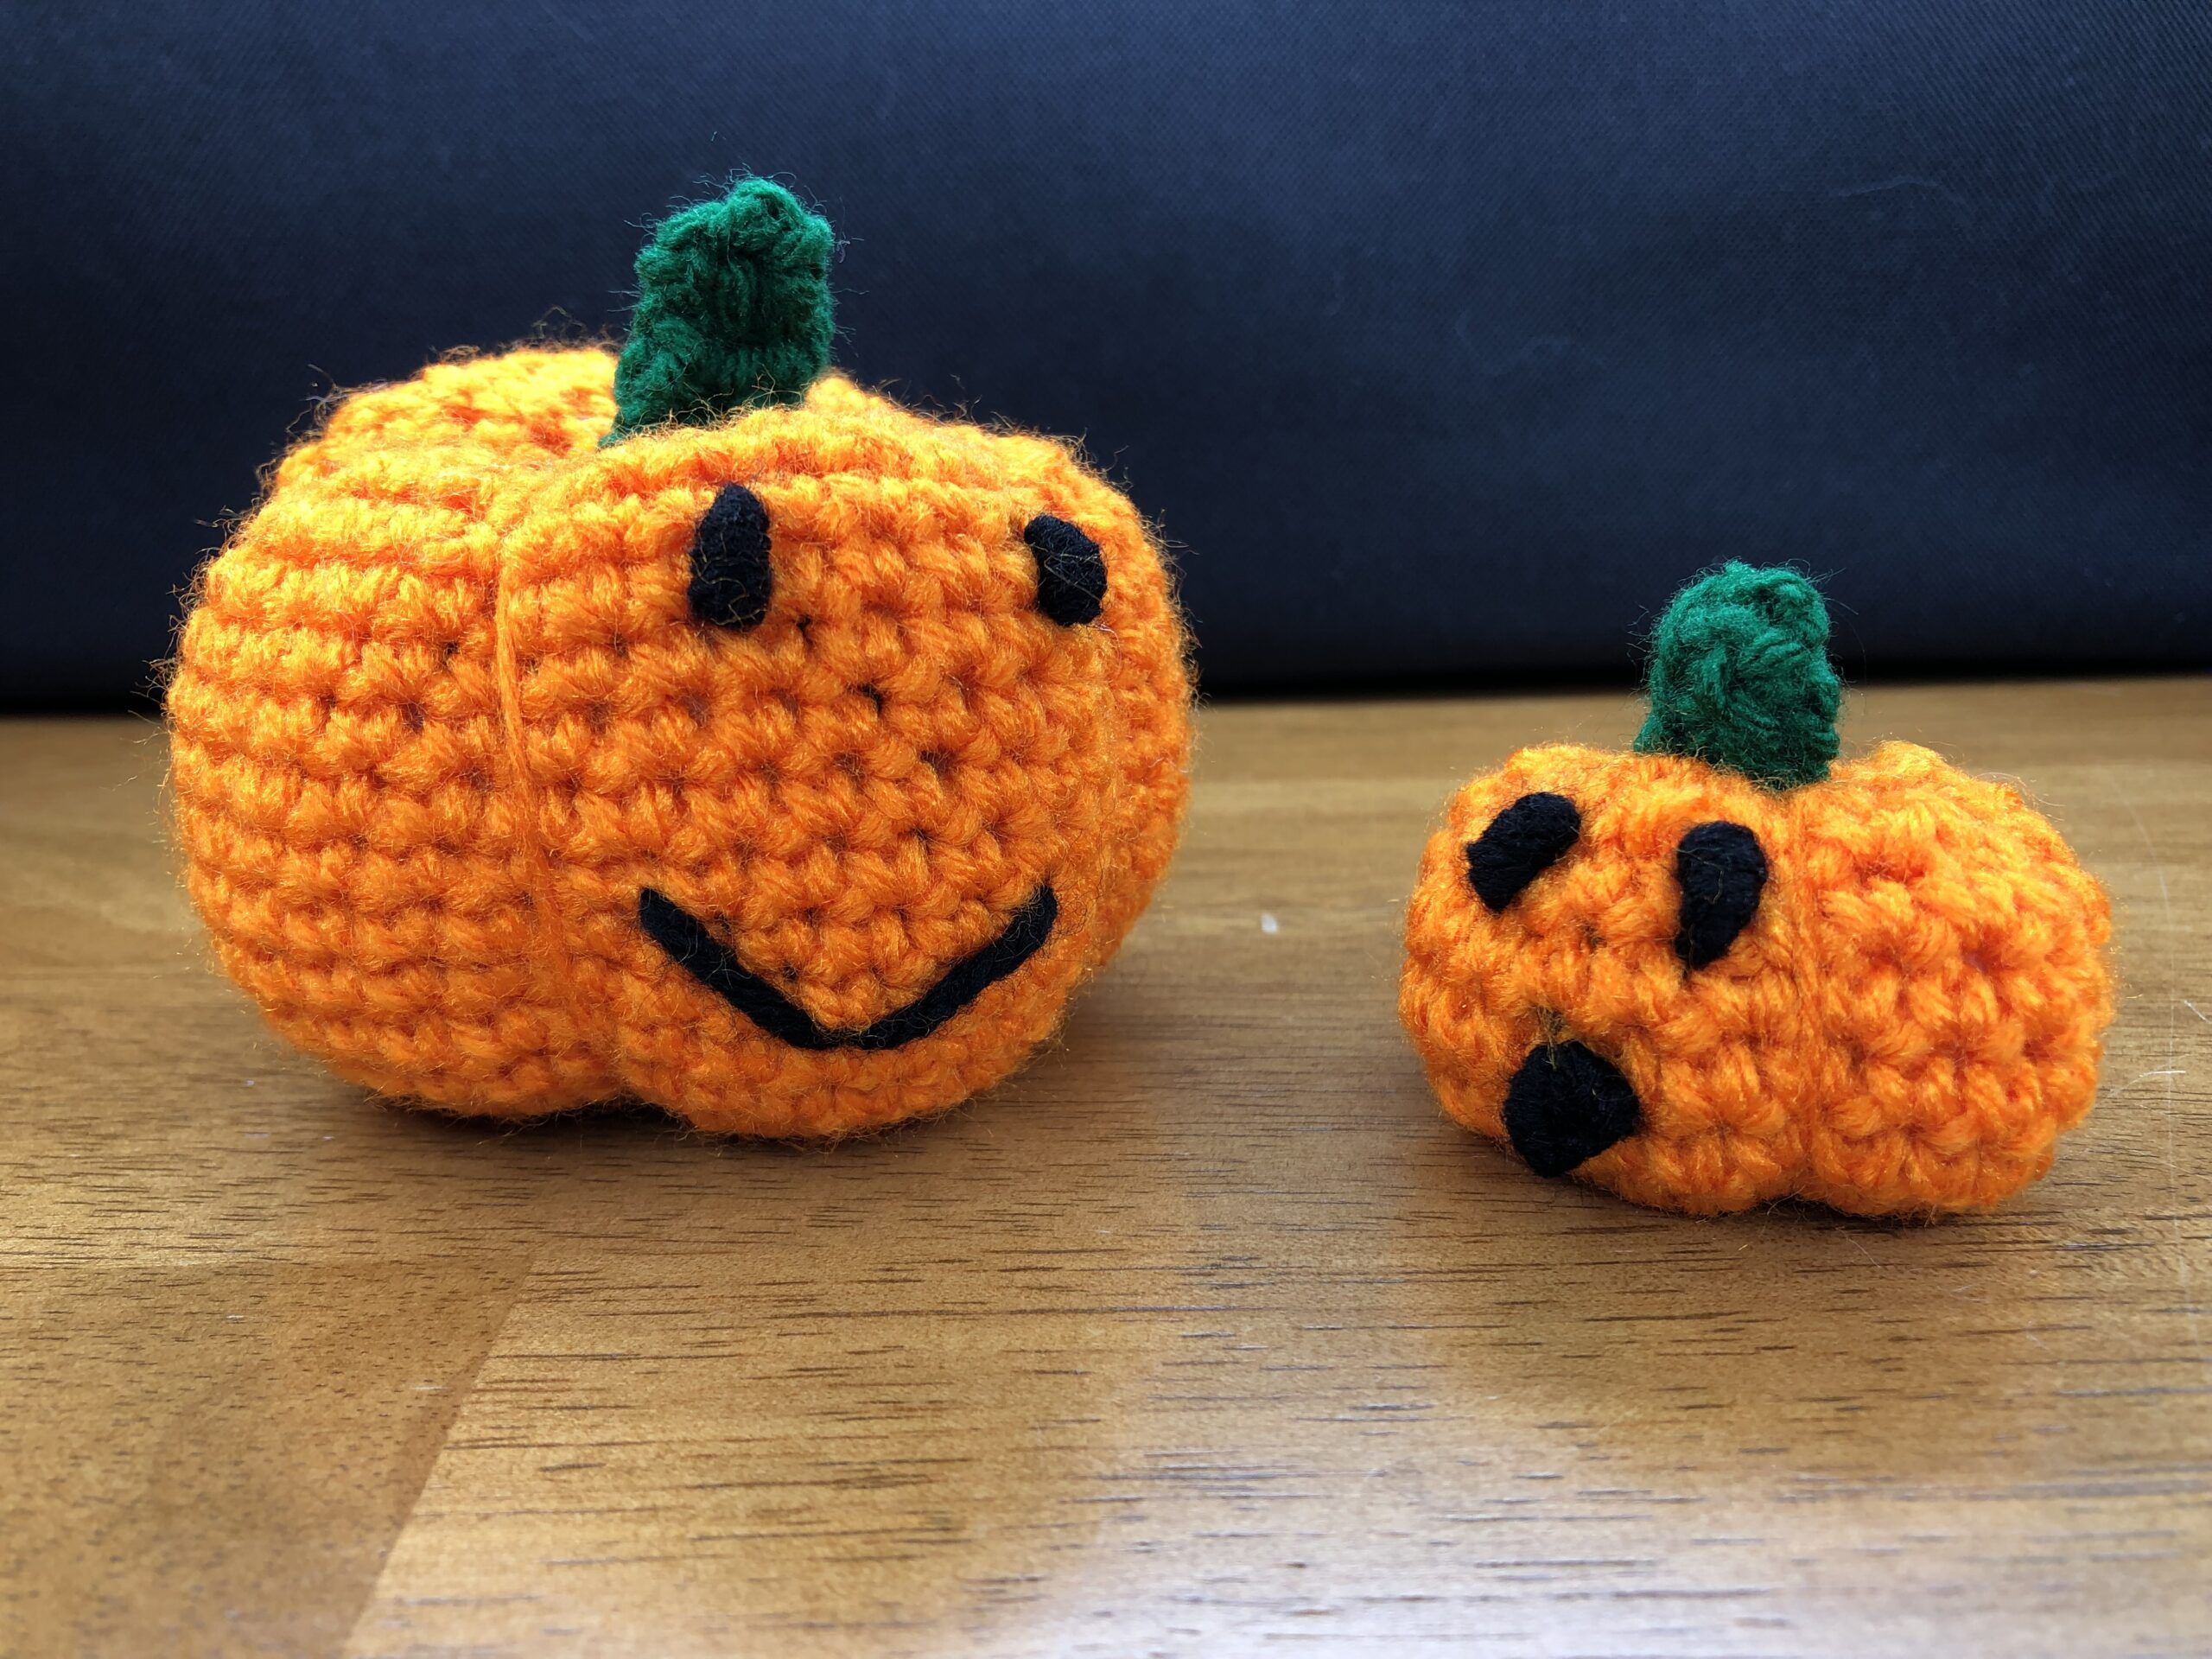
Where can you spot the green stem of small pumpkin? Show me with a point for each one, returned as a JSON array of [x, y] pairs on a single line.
[[734, 311], [1739, 676]]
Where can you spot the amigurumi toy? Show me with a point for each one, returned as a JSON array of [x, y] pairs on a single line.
[[695, 727], [1720, 970]]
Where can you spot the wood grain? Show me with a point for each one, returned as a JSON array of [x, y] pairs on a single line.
[[1204, 1335]]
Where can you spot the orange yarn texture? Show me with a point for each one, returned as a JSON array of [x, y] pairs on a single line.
[[442, 713], [1907, 1023]]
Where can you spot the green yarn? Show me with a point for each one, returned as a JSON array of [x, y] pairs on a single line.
[[734, 311], [1739, 676]]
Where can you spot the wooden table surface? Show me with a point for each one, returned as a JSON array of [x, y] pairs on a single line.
[[1206, 1334]]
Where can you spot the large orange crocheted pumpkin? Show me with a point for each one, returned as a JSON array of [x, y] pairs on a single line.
[[1720, 971], [699, 729]]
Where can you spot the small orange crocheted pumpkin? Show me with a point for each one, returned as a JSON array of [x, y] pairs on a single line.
[[697, 728], [1720, 971]]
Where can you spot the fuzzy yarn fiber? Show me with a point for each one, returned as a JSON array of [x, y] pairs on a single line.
[[443, 713], [1904, 1023]]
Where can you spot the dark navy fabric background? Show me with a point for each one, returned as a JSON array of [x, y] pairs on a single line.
[[1443, 340]]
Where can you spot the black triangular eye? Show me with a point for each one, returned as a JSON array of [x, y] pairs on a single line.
[[1071, 570], [732, 581], [1522, 842], [1721, 871]]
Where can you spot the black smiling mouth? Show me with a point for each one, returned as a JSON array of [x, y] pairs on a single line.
[[1566, 1105], [715, 965]]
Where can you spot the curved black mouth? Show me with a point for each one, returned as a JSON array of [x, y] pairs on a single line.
[[715, 965], [1566, 1105]]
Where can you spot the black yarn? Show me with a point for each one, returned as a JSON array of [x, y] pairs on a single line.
[[1566, 1105], [732, 579], [1071, 570], [715, 965], [1522, 842], [1721, 871]]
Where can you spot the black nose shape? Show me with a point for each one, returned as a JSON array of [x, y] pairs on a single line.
[[1565, 1105]]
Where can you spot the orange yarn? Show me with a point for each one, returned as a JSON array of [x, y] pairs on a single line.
[[442, 713], [1907, 1023]]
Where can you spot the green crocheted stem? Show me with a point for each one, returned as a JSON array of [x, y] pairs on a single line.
[[734, 311], [1739, 676]]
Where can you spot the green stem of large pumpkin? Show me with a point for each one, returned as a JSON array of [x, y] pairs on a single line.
[[734, 311], [1739, 678]]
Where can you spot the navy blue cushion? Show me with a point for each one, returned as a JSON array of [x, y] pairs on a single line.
[[1443, 340]]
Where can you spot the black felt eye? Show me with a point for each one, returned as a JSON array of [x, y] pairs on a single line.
[[1071, 571], [732, 581], [1522, 842], [1721, 872]]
